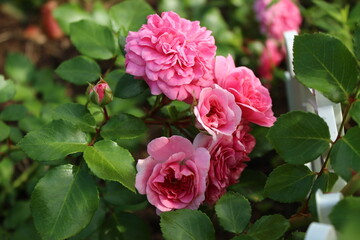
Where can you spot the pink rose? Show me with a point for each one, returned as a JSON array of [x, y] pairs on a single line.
[[174, 175], [217, 111], [100, 93], [228, 157], [173, 55], [270, 58], [282, 16], [253, 98]]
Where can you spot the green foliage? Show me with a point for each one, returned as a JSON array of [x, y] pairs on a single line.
[[289, 183], [79, 70], [128, 87], [123, 126], [4, 131], [299, 137], [54, 141], [109, 161], [124, 18], [69, 13], [7, 89], [18, 67], [345, 212], [355, 111], [345, 156], [186, 224], [63, 202], [269, 227], [233, 211], [251, 185], [322, 62], [76, 114], [357, 41], [13, 112], [92, 39]]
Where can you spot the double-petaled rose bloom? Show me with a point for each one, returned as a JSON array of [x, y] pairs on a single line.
[[252, 97], [276, 18], [229, 155], [173, 55], [174, 175]]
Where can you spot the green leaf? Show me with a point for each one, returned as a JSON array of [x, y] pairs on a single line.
[[68, 13], [18, 67], [251, 185], [299, 137], [355, 111], [109, 161], [269, 227], [25, 231], [324, 63], [79, 70], [100, 14], [13, 112], [132, 227], [357, 40], [56, 140], [262, 143], [186, 224], [18, 214], [123, 126], [124, 199], [125, 18], [6, 171], [177, 6], [4, 131], [63, 202], [354, 15], [233, 211], [94, 224], [128, 86], [345, 155], [325, 182], [77, 114], [289, 183], [31, 123], [345, 212], [7, 89], [92, 39], [243, 237]]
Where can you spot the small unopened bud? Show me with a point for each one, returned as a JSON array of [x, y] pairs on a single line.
[[100, 94]]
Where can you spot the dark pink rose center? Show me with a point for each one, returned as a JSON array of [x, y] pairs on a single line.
[[174, 188], [216, 116]]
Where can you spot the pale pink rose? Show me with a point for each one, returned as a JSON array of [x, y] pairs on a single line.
[[229, 155], [174, 175], [252, 97], [217, 111], [173, 55], [270, 58], [274, 20]]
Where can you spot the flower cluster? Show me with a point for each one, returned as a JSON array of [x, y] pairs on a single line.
[[176, 57], [275, 18]]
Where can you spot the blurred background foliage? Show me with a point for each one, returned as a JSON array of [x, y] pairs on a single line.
[[29, 55]]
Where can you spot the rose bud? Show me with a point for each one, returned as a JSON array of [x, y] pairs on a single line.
[[100, 94]]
